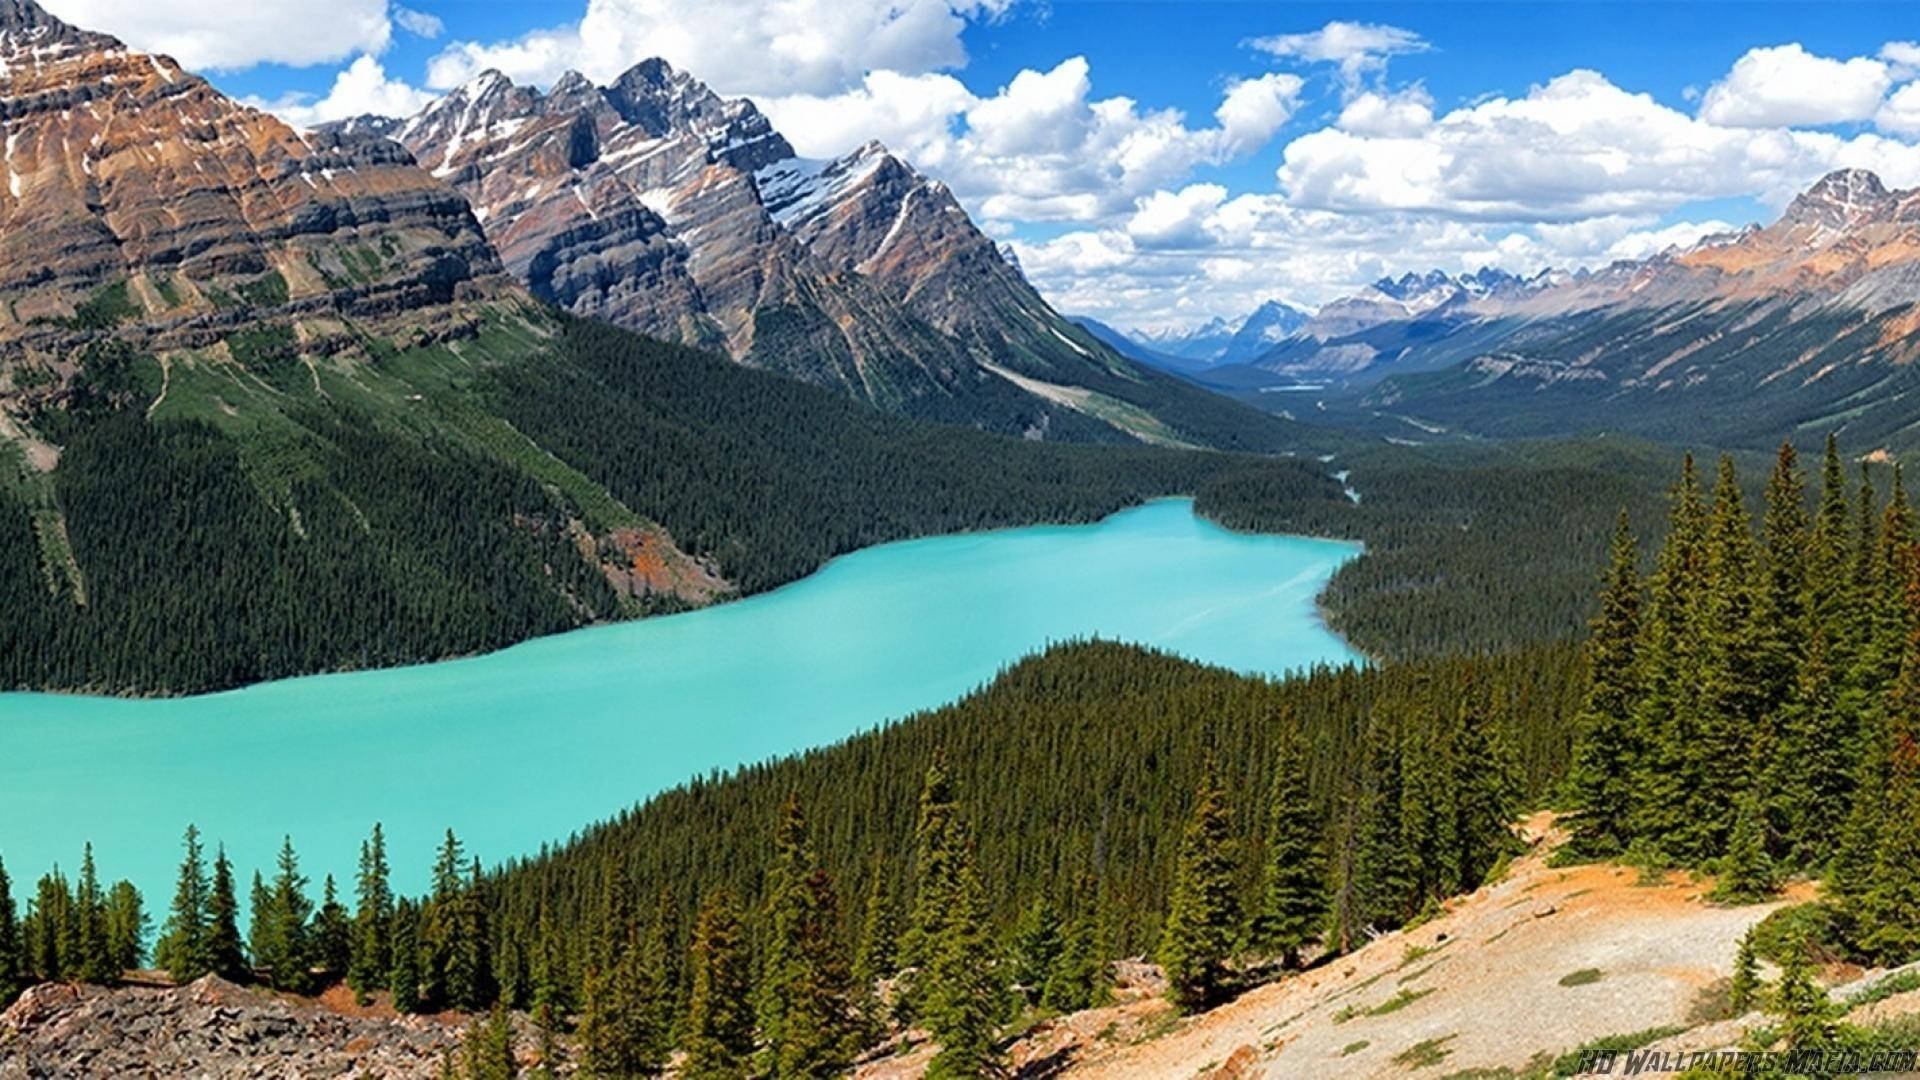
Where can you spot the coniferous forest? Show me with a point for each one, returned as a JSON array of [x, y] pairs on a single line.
[[1748, 693]]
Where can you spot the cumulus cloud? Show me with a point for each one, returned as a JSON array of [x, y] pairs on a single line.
[[1901, 111], [1785, 85], [1043, 147], [1577, 147], [363, 87], [227, 37], [765, 47], [1396, 115], [1357, 49]]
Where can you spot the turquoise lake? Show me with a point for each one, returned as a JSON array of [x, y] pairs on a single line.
[[523, 746]]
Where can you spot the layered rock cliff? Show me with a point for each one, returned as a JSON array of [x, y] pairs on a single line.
[[139, 200]]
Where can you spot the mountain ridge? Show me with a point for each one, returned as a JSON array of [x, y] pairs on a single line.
[[655, 204]]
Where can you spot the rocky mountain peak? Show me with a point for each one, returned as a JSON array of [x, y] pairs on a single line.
[[26, 25], [1841, 199]]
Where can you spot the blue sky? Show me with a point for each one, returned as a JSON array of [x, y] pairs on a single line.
[[1372, 138]]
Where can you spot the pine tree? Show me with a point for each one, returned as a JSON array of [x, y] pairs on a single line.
[[1783, 620], [933, 874], [223, 954], [94, 956], [803, 994], [49, 938], [283, 947], [332, 932], [437, 923], [372, 919], [964, 1003], [469, 964], [1600, 782], [719, 1028], [1746, 874], [404, 978], [1890, 907], [1669, 655], [1744, 992], [487, 1051], [874, 957], [1081, 977], [1036, 948], [1732, 702], [1294, 903], [622, 1033], [1806, 1013], [1811, 772], [12, 955], [1201, 917], [183, 942], [126, 925]]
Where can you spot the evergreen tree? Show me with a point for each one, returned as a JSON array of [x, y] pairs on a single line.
[[223, 954], [468, 983], [487, 1051], [803, 993], [282, 945], [1201, 917], [622, 1032], [1294, 903], [1669, 654], [372, 919], [404, 978], [92, 950], [964, 1004], [1744, 992], [332, 932], [1746, 874], [1732, 693], [1036, 949], [1806, 1013], [1889, 909], [874, 957], [1600, 781], [935, 849], [183, 942], [12, 955], [49, 937], [719, 1028], [437, 923], [126, 927], [1081, 978], [1811, 772], [1782, 627]]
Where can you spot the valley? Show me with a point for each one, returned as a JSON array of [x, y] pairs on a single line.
[[617, 551]]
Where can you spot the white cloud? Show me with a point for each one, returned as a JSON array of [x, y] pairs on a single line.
[[362, 87], [765, 47], [1574, 148], [1398, 115], [1042, 148], [1785, 85], [207, 36], [1358, 49], [419, 23], [1901, 111], [1254, 110], [1176, 219]]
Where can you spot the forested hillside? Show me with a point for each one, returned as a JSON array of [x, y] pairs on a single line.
[[209, 525]]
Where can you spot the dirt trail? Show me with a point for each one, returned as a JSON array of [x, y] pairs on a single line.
[[1534, 965]]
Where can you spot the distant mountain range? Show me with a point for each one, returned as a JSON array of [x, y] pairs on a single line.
[[1802, 326], [1215, 343], [655, 204]]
